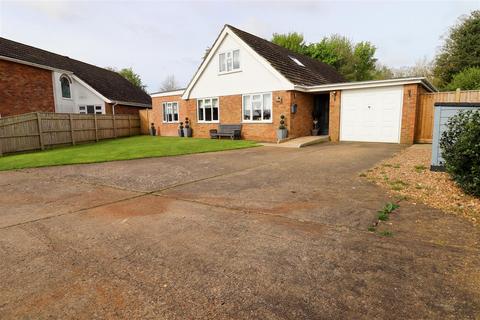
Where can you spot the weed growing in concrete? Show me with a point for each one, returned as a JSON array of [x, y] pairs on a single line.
[[386, 233], [389, 207]]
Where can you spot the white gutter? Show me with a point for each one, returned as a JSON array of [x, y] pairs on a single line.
[[367, 84]]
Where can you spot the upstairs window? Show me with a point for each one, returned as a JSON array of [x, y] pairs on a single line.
[[229, 61], [65, 83], [170, 112], [257, 107], [207, 110]]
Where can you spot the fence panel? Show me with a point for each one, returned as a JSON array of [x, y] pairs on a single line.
[[33, 131], [424, 122]]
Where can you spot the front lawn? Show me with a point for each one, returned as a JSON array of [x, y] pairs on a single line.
[[119, 149]]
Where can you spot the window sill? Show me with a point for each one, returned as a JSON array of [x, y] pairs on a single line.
[[229, 72], [253, 121], [207, 122], [170, 122], [70, 99]]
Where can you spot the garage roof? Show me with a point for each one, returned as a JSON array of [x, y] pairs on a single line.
[[369, 84]]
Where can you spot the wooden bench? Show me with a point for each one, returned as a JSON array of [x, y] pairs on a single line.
[[234, 131]]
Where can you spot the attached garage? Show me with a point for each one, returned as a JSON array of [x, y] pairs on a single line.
[[371, 114], [384, 111]]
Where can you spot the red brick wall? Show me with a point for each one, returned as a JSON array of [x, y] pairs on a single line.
[[334, 116], [121, 109], [301, 123], [409, 112], [24, 89], [230, 113]]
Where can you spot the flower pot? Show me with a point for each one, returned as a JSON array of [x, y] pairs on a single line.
[[180, 132], [282, 134], [315, 132], [187, 132]]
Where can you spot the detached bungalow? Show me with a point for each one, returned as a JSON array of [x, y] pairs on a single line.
[[250, 81], [33, 79]]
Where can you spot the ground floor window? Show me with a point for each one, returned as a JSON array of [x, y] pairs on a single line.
[[90, 109], [257, 107], [207, 110], [170, 112]]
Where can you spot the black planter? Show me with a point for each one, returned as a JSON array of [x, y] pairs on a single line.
[[187, 132], [315, 132], [180, 132]]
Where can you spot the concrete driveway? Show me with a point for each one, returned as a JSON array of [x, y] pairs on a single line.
[[262, 233]]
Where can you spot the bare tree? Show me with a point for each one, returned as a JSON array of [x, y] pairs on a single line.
[[422, 68], [169, 83]]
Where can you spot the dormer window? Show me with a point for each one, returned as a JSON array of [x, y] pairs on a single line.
[[296, 61], [65, 83], [229, 61]]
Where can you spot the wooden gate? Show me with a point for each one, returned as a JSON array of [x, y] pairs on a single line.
[[425, 110]]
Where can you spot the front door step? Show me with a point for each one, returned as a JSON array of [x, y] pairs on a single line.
[[299, 142]]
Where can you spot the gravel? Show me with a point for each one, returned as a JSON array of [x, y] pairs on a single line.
[[407, 174]]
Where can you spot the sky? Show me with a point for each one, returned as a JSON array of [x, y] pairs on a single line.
[[160, 38]]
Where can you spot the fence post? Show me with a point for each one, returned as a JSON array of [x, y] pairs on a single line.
[[72, 133], [457, 95], [129, 127], [114, 126], [96, 127], [40, 133]]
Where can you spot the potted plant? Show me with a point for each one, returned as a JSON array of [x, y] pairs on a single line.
[[187, 131], [316, 128], [180, 129], [282, 131]]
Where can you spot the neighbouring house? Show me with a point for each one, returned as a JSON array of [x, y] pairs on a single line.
[[248, 80], [33, 79]]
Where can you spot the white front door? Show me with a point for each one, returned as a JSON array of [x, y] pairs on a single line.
[[371, 115]]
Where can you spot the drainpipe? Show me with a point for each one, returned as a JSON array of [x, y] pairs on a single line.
[[113, 108]]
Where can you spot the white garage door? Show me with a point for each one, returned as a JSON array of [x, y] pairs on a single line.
[[371, 115]]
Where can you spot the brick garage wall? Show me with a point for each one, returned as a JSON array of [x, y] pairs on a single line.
[[409, 112], [301, 122], [334, 116], [24, 89]]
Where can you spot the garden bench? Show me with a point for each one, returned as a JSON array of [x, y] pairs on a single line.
[[227, 130]]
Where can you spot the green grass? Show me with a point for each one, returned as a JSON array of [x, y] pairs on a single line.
[[386, 233], [420, 168], [119, 149]]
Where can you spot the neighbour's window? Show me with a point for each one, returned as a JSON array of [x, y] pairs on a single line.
[[90, 109], [229, 61], [257, 107], [170, 112], [65, 83], [207, 110]]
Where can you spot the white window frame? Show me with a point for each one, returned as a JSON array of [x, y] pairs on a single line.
[[226, 53], [63, 76], [250, 95], [211, 106], [83, 108], [169, 105]]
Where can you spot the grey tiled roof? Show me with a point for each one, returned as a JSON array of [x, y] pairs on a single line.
[[313, 72]]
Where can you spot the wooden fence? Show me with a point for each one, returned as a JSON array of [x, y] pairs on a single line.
[[40, 130], [425, 110], [145, 120]]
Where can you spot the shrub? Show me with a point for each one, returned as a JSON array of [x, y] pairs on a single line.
[[468, 79], [460, 144]]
